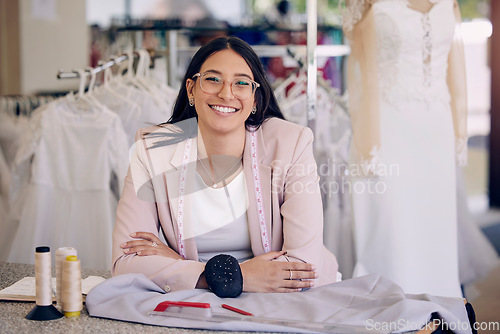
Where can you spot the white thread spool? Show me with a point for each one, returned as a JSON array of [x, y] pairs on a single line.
[[43, 276], [61, 255], [71, 290]]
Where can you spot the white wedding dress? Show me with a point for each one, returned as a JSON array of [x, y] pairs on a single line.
[[406, 216]]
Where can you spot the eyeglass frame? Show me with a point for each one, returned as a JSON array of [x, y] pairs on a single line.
[[254, 83]]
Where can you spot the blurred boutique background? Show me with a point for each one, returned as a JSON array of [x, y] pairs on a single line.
[[52, 48]]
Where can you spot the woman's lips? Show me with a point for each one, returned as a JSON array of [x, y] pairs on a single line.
[[223, 109]]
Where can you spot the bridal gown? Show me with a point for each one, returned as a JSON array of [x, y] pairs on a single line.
[[405, 214]]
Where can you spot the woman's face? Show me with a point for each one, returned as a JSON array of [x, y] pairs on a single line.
[[222, 112]]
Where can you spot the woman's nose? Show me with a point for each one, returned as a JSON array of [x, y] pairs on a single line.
[[226, 91]]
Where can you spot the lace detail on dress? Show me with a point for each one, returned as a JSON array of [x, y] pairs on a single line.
[[353, 13], [396, 44], [461, 151], [389, 47], [427, 50], [368, 168]]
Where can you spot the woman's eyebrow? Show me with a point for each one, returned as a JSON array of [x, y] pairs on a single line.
[[213, 71], [243, 75], [236, 75]]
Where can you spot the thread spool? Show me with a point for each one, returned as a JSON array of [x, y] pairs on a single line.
[[61, 255], [71, 290], [43, 276], [43, 310]]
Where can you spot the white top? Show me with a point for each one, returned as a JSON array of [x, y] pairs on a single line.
[[218, 219]]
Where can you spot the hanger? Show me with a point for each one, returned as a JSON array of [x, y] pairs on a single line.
[[139, 77], [300, 86], [93, 76], [81, 100], [8, 106], [298, 77], [90, 96], [143, 74], [128, 78], [334, 94], [107, 76], [83, 78], [26, 106]]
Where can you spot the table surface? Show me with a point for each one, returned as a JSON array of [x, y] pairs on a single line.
[[12, 314]]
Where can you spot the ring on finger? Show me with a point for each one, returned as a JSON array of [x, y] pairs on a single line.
[[291, 274], [154, 244]]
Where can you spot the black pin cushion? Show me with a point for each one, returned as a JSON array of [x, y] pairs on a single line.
[[223, 276]]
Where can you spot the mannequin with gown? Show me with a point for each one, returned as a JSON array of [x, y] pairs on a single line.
[[407, 101]]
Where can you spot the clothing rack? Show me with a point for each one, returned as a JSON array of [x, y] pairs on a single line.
[[90, 71], [23, 105]]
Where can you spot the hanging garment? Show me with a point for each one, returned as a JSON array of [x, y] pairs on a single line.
[[333, 165], [128, 111], [13, 128], [155, 100], [332, 134], [405, 213], [151, 112], [4, 193], [61, 184], [139, 100]]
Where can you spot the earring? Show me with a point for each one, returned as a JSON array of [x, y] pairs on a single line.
[[254, 110], [191, 102]]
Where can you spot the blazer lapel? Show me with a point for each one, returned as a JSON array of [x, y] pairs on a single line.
[[172, 181]]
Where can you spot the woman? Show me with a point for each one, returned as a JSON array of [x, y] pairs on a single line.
[[240, 181]]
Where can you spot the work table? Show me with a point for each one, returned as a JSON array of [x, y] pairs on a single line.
[[12, 314]]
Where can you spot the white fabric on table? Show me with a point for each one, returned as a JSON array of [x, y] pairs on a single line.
[[355, 305]]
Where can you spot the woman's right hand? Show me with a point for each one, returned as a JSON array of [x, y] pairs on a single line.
[[262, 274]]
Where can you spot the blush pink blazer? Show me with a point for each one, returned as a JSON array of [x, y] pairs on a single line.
[[290, 190]]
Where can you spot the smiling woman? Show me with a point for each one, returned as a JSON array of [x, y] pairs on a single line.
[[222, 106], [204, 179]]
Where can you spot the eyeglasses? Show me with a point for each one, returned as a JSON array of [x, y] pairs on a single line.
[[241, 87]]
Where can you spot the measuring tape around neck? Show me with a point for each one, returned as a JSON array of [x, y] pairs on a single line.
[[258, 196], [182, 190]]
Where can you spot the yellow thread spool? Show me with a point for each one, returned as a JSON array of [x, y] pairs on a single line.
[[72, 314], [72, 301], [61, 255]]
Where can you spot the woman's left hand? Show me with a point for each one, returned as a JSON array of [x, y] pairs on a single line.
[[148, 244]]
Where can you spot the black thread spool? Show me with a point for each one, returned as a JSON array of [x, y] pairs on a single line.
[[43, 310]]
